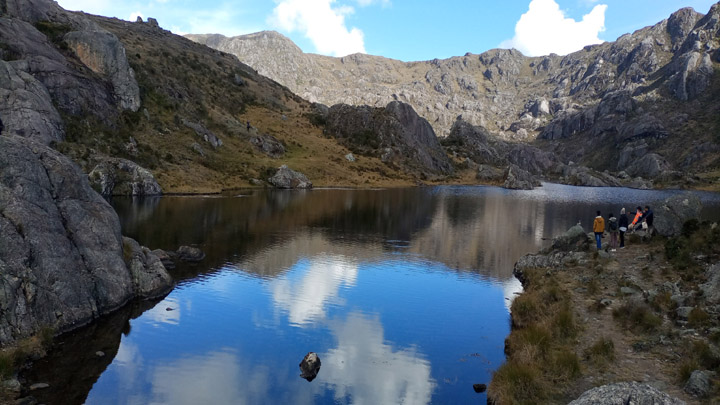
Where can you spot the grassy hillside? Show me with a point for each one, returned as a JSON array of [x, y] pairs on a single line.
[[181, 82]]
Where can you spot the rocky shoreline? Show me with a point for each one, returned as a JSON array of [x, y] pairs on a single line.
[[638, 324]]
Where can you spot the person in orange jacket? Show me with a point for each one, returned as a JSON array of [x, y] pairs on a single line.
[[599, 228], [636, 221]]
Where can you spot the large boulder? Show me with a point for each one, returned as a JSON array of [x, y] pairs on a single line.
[[626, 393], [711, 289], [26, 107], [649, 166], [61, 251], [671, 214], [288, 178], [123, 177], [516, 178], [583, 176], [149, 276], [574, 238], [700, 383], [104, 54]]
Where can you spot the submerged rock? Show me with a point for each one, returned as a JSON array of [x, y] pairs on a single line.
[[190, 254], [310, 366], [479, 388]]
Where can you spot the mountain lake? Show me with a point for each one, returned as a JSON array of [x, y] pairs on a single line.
[[404, 294]]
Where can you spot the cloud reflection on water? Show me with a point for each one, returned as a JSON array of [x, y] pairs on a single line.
[[305, 300], [368, 370]]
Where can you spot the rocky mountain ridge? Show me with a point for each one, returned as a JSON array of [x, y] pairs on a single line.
[[628, 98]]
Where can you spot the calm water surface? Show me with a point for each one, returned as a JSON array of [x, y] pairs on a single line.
[[403, 293]]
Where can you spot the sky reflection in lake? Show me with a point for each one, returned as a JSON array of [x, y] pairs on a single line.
[[403, 293]]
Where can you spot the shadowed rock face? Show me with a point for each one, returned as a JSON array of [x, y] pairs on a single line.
[[61, 256], [103, 53], [396, 134], [27, 109], [73, 91]]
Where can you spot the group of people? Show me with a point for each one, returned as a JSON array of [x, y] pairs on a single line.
[[619, 227]]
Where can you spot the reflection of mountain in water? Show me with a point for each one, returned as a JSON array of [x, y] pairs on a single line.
[[478, 229], [230, 228], [483, 233]]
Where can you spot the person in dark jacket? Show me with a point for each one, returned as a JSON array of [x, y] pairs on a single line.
[[613, 226], [623, 223], [648, 217]]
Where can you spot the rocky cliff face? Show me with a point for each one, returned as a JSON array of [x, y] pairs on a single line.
[[63, 261], [395, 134], [620, 98], [62, 256]]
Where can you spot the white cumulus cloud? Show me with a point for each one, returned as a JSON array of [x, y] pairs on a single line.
[[135, 15], [545, 29], [323, 24], [88, 6]]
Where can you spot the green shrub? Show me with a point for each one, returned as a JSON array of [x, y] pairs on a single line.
[[685, 370], [637, 316], [7, 365], [601, 352], [515, 383], [525, 309], [534, 339], [565, 365], [698, 318], [564, 324]]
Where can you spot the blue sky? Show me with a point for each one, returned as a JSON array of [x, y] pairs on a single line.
[[408, 30]]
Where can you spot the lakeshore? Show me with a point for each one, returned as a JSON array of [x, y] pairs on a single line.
[[646, 314]]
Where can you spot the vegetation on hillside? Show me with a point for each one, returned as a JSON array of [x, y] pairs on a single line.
[[615, 318]]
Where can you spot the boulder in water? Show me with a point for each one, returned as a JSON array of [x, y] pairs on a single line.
[[310, 366]]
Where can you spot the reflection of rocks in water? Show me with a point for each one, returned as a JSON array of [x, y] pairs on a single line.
[[136, 209], [227, 227], [73, 366], [483, 232], [310, 366]]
